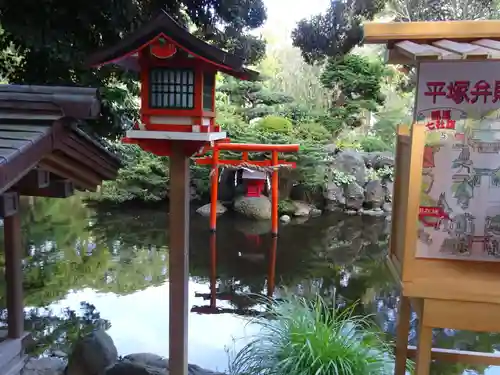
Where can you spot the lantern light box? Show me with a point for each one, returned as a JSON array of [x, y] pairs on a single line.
[[177, 75]]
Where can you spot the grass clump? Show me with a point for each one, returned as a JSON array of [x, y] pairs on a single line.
[[312, 338]]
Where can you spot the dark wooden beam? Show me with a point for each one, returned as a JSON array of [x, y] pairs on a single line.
[[9, 204], [55, 189], [35, 179]]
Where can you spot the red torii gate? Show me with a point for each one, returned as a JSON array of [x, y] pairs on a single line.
[[274, 164]]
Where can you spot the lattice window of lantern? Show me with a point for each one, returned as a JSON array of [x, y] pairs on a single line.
[[208, 85], [171, 88]]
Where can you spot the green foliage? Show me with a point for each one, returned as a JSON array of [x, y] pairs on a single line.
[[286, 207], [252, 99], [144, 177], [305, 338], [53, 44], [335, 32], [341, 178], [313, 131], [275, 124], [373, 143], [355, 84]]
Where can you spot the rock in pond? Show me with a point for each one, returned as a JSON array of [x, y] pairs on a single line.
[[258, 208], [285, 219], [150, 364], [205, 210], [92, 355], [44, 366]]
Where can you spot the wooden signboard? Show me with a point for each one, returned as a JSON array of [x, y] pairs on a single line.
[[459, 215]]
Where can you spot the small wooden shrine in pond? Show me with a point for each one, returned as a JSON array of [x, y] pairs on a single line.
[[254, 181], [445, 238], [263, 166]]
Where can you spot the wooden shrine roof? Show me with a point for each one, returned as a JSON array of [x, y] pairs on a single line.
[[38, 129], [125, 52], [412, 42]]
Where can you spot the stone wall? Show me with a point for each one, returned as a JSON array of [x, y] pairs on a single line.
[[358, 182]]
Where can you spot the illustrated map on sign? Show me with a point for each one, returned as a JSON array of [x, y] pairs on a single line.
[[459, 215]]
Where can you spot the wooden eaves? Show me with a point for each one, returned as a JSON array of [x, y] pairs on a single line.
[[42, 150], [125, 52], [413, 42]]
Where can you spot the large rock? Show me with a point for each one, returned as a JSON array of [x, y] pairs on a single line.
[[378, 160], [258, 208], [351, 162], [355, 196], [334, 196], [92, 355], [205, 210], [150, 364], [374, 193], [302, 208]]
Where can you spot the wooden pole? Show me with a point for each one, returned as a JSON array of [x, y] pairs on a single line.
[[402, 331], [14, 275], [214, 192], [274, 195], [179, 260], [213, 270], [271, 275]]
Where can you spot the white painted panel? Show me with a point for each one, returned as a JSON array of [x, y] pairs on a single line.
[[181, 136], [171, 120]]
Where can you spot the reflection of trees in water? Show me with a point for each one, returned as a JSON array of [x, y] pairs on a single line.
[[70, 247], [51, 332]]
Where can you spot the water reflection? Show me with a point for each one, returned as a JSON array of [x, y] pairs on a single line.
[[115, 261]]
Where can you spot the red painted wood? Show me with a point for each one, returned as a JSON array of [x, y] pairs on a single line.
[[254, 187]]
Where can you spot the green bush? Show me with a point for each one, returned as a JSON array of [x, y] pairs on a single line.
[[275, 124], [304, 338], [372, 143], [314, 131]]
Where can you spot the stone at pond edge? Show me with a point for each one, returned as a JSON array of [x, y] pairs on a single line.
[[92, 354], [150, 364], [205, 210], [374, 193], [44, 366], [285, 219], [258, 208], [355, 196], [350, 162], [302, 208], [334, 196]]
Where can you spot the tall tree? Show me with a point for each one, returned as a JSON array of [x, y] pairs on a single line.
[[53, 37], [442, 10], [335, 32]]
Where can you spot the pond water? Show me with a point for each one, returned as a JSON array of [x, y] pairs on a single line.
[[86, 267]]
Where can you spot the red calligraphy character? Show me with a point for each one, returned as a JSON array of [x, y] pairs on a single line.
[[435, 89], [446, 117], [436, 121], [481, 88], [458, 91], [496, 92]]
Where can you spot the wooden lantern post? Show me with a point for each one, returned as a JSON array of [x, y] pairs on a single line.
[[445, 242], [177, 118]]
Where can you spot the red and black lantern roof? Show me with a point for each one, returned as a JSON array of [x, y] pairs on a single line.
[[125, 52]]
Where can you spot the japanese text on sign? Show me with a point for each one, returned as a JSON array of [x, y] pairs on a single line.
[[441, 120], [464, 91]]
